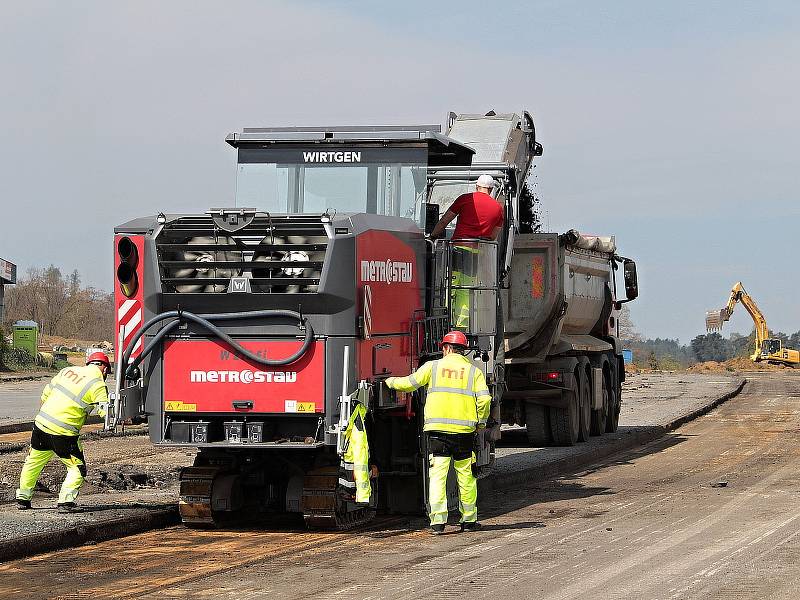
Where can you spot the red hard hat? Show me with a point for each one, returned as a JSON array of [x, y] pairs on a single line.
[[457, 338], [98, 357]]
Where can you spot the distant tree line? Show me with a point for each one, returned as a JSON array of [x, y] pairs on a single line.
[[671, 354], [60, 305]]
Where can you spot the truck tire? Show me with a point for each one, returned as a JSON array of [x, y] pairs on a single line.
[[585, 409], [565, 423], [615, 404], [537, 422], [600, 417]]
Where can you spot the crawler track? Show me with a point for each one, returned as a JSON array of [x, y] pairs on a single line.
[[325, 505]]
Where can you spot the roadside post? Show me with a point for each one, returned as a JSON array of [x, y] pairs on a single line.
[[8, 276]]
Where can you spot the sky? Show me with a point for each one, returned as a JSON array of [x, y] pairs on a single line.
[[672, 126]]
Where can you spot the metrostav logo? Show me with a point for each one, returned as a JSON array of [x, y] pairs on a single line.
[[387, 271], [244, 376]]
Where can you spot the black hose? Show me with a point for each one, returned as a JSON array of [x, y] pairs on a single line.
[[204, 321]]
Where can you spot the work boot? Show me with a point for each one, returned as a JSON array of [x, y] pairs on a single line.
[[437, 529], [67, 507], [23, 504], [472, 526]]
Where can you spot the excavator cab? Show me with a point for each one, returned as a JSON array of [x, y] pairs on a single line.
[[771, 347]]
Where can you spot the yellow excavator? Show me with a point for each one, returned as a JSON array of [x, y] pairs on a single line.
[[767, 349]]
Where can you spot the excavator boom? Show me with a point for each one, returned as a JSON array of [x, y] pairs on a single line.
[[765, 348]]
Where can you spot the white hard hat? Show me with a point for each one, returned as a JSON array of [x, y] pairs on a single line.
[[485, 181]]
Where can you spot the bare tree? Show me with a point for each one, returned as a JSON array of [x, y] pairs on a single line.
[[627, 330], [54, 299], [61, 307]]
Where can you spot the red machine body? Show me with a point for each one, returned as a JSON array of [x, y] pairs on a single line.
[[207, 376]]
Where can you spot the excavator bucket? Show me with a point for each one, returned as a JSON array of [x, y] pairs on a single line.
[[715, 319]]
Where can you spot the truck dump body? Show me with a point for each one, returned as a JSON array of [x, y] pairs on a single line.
[[559, 297]]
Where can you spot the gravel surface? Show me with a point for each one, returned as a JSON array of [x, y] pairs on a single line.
[[126, 475], [129, 474], [648, 400], [651, 523]]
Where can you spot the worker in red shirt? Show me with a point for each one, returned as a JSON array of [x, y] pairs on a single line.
[[479, 217]]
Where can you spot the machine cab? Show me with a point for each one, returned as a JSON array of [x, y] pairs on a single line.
[[771, 347]]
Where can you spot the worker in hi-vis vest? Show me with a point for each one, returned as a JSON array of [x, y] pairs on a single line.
[[356, 456], [66, 402], [457, 402]]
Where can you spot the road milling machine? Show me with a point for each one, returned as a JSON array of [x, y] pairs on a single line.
[[766, 349], [249, 333]]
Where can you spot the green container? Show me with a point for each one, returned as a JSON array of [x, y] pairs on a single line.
[[26, 335]]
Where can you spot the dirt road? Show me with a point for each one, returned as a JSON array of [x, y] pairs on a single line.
[[710, 511]]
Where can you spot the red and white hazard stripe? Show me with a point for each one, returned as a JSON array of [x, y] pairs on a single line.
[[129, 317]]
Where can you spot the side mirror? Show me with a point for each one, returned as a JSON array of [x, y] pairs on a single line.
[[631, 281], [431, 217]]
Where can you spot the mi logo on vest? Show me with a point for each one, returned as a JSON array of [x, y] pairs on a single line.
[[73, 376], [453, 373]]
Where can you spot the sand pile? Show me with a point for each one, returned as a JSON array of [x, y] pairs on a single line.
[[734, 364]]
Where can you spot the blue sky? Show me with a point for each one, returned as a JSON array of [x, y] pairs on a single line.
[[670, 125]]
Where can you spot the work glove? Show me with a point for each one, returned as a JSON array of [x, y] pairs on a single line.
[[389, 381]]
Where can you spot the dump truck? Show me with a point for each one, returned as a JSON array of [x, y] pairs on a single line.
[[250, 333], [563, 356]]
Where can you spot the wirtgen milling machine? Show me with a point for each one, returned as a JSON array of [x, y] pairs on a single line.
[[249, 332]]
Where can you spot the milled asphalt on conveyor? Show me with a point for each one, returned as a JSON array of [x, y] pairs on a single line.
[[708, 511], [653, 398]]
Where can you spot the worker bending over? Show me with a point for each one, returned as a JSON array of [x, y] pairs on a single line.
[[479, 217], [66, 402], [457, 402]]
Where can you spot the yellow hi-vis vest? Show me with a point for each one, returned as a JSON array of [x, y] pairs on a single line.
[[457, 400], [69, 398], [356, 455]]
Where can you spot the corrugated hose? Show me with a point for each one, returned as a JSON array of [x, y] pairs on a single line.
[[204, 321]]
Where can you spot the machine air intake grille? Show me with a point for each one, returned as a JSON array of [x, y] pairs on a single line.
[[283, 254]]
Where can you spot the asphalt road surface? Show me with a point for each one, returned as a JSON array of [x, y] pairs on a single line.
[[709, 511], [19, 400]]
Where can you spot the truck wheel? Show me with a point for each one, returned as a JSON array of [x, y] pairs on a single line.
[[614, 404], [586, 409], [600, 417], [537, 422], [565, 422]]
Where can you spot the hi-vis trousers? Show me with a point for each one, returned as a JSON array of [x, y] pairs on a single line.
[[465, 263], [442, 447], [43, 446]]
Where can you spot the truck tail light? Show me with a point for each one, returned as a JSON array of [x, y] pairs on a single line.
[[553, 377]]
